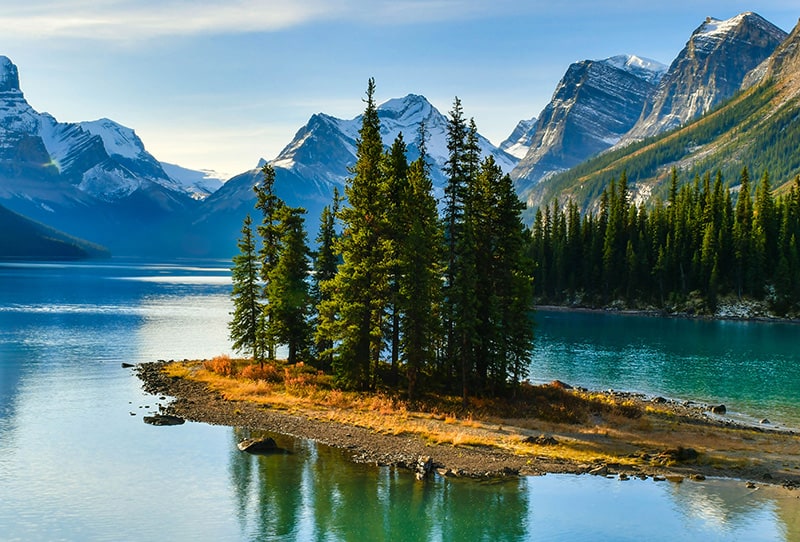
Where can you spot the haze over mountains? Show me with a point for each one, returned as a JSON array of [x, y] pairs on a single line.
[[96, 180]]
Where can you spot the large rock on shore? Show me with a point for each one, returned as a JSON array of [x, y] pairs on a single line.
[[259, 446], [164, 419]]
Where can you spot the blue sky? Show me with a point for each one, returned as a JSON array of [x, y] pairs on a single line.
[[218, 84]]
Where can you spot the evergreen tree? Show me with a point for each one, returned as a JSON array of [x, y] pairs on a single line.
[[397, 223], [420, 274], [513, 290], [270, 206], [742, 236], [454, 193], [353, 318], [246, 294], [287, 289], [326, 263]]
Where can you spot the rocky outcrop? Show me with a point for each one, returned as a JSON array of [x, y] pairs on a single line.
[[594, 104], [709, 70], [265, 445], [164, 419]]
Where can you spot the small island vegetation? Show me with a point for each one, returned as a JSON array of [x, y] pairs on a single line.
[[396, 296]]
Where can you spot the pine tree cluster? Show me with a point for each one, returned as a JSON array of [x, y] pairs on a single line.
[[399, 297], [700, 245]]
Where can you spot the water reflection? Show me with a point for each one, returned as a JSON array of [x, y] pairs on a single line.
[[316, 493]]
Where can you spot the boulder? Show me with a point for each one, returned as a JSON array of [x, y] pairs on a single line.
[[601, 470], [163, 419], [719, 409], [560, 385], [424, 467], [258, 446], [541, 440]]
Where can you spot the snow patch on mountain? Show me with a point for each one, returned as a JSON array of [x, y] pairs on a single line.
[[117, 139], [644, 68], [717, 27], [324, 149], [198, 183], [109, 184], [518, 143]]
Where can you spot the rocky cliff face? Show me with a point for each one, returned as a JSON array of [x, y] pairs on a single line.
[[594, 104], [521, 139], [783, 66], [709, 70]]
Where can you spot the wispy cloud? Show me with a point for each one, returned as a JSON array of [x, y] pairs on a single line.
[[121, 20], [124, 20]]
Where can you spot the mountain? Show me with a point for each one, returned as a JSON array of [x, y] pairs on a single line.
[[709, 69], [593, 106], [24, 239], [92, 179], [317, 160], [199, 184], [520, 140], [758, 127]]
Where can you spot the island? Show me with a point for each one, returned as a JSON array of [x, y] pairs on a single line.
[[550, 428]]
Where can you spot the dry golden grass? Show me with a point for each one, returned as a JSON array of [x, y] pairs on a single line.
[[588, 427]]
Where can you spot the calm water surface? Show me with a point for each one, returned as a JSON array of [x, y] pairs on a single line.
[[77, 463]]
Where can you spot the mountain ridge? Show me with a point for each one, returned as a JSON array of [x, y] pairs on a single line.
[[594, 104]]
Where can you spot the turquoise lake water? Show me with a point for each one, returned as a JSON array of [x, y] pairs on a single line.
[[78, 463]]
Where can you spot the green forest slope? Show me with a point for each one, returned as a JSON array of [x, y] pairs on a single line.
[[24, 239]]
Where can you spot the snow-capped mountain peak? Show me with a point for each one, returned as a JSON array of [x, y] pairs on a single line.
[[117, 139], [644, 68], [325, 147], [518, 143], [709, 69]]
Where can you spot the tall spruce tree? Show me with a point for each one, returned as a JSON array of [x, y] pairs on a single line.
[[246, 295], [270, 206], [395, 173], [354, 316], [287, 289], [420, 273], [326, 263]]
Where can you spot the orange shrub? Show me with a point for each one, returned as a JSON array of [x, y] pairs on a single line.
[[269, 372], [221, 365]]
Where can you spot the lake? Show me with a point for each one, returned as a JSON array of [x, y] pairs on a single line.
[[78, 463]]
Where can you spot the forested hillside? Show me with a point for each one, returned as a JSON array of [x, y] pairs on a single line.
[[684, 252], [24, 239]]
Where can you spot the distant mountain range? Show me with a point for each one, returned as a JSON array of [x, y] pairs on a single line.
[[95, 179], [614, 102]]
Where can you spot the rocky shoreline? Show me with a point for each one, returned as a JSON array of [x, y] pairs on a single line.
[[728, 309], [645, 456]]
